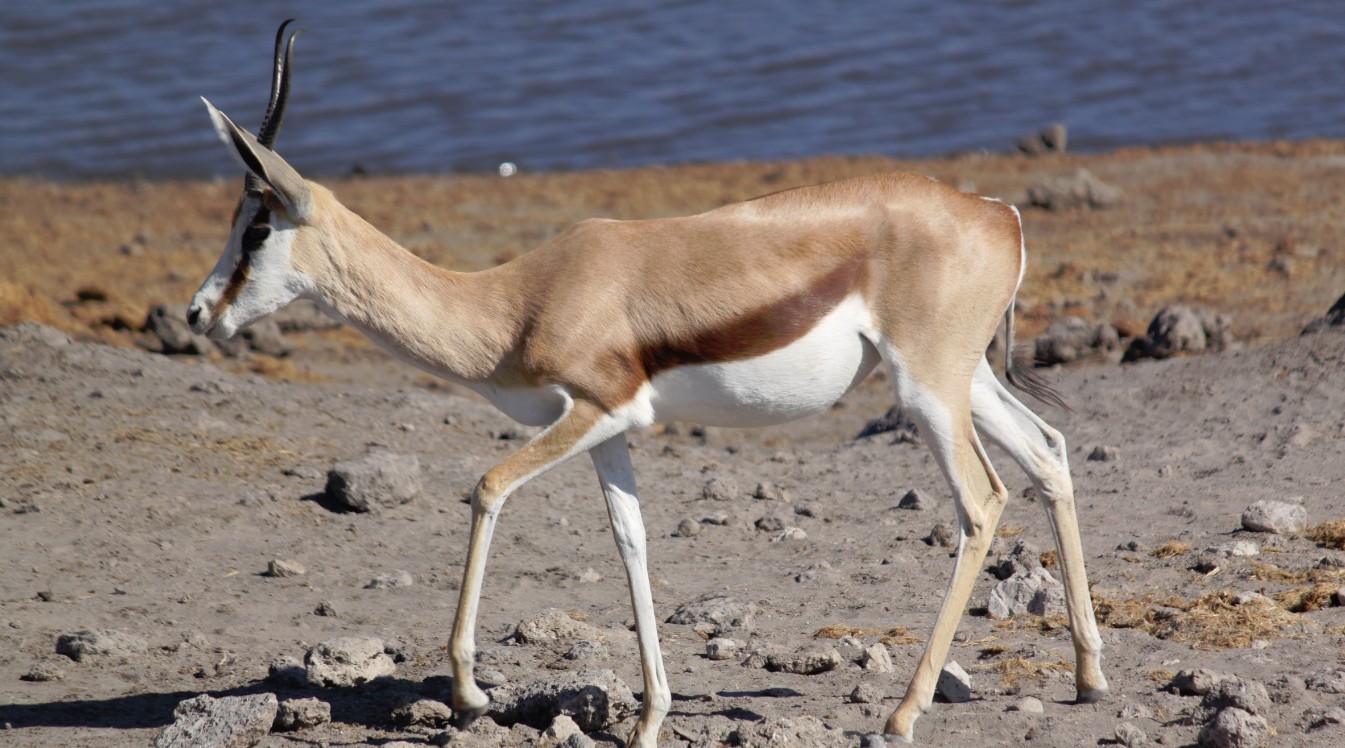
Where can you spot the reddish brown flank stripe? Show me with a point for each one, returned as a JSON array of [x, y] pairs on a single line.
[[762, 331]]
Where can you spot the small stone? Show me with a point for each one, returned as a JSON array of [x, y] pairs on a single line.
[[325, 608], [1235, 728], [770, 523], [301, 714], [43, 672], [1135, 710], [717, 518], [954, 683], [720, 489], [687, 528], [876, 659], [1104, 453], [282, 568], [586, 649], [1035, 592], [287, 671], [1027, 705], [589, 576], [1196, 682], [594, 699], [792, 533], [390, 580], [376, 481], [99, 644], [716, 615], [554, 624], [917, 500], [561, 729], [770, 492], [1235, 549], [866, 693], [940, 535], [1233, 692], [228, 722], [348, 661], [810, 661], [1130, 736], [1277, 517], [1329, 681], [721, 648], [414, 710]]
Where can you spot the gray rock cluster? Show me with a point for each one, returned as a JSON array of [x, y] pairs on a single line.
[[1072, 338], [1231, 712], [1078, 190], [168, 332], [1181, 329]]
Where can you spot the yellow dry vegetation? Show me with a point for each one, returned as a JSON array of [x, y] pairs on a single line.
[[894, 635]]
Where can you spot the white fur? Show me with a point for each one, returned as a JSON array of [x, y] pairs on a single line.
[[802, 378]]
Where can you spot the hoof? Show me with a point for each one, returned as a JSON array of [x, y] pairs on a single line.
[[1090, 696], [463, 718]]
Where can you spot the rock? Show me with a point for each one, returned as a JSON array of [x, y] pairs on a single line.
[[1078, 190], [770, 492], [1027, 705], [1035, 592], [100, 644], [552, 625], [586, 649], [715, 616], [1196, 682], [720, 489], [301, 714], [791, 533], [263, 336], [375, 481], [348, 661], [1235, 549], [1235, 728], [1130, 736], [1104, 453], [866, 693], [42, 673], [1333, 320], [687, 528], [770, 523], [721, 648], [561, 730], [228, 722], [1232, 692], [391, 580], [876, 659], [168, 323], [325, 608], [785, 731], [1071, 339], [1180, 329], [809, 661], [287, 671], [1278, 517], [954, 683], [939, 535], [594, 699], [416, 710], [1051, 139], [896, 422], [1329, 681], [917, 500], [1022, 558], [281, 568], [1135, 710]]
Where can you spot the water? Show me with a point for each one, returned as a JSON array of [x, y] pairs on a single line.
[[98, 88]]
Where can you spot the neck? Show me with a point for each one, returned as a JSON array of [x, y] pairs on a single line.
[[456, 325]]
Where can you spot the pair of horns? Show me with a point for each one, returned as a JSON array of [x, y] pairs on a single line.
[[280, 94]]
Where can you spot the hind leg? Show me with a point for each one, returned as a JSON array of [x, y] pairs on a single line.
[[1040, 451], [946, 425]]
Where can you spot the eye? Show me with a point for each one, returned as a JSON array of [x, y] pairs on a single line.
[[254, 235]]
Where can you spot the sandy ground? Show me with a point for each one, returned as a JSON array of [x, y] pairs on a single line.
[[147, 493]]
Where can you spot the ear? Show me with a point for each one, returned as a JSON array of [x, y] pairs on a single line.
[[269, 167]]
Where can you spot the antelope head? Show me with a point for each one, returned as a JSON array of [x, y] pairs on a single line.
[[255, 275]]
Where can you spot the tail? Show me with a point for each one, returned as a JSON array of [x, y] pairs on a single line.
[[1018, 368]]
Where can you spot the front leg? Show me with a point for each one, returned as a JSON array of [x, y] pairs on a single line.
[[612, 461], [583, 426]]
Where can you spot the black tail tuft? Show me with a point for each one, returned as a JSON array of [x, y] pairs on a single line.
[[1018, 370]]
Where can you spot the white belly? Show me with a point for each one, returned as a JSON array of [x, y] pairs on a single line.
[[801, 379]]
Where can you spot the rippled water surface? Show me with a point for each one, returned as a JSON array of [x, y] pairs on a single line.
[[102, 88]]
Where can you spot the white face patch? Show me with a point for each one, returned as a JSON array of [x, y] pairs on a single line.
[[253, 276]]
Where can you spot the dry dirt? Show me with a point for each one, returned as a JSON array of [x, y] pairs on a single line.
[[147, 493]]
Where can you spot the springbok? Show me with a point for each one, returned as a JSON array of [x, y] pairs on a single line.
[[750, 314]]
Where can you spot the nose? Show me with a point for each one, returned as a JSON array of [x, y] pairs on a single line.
[[193, 314]]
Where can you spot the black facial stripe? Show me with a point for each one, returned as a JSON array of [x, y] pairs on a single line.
[[257, 231]]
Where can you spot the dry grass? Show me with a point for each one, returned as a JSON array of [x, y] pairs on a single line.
[[1329, 534], [1010, 531], [1014, 670], [1214, 621], [1050, 559], [1171, 549], [1308, 599], [895, 635]]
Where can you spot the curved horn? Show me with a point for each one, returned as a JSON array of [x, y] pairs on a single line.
[[280, 87]]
